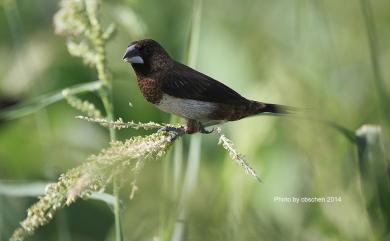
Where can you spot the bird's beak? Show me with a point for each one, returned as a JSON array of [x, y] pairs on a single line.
[[132, 55]]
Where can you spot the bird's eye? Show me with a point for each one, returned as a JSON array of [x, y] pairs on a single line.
[[148, 50]]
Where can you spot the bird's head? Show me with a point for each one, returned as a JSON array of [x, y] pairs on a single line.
[[147, 56]]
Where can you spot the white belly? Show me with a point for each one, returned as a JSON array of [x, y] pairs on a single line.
[[190, 109]]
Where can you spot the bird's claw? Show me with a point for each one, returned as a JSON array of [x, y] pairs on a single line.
[[181, 130], [204, 131], [177, 130]]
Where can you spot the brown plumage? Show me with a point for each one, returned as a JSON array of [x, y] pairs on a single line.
[[181, 90]]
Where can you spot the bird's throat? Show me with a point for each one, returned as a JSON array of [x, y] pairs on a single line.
[[142, 70]]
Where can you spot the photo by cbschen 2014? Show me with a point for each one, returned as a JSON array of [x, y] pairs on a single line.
[[194, 120], [298, 200]]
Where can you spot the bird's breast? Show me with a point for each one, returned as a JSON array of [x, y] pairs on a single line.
[[187, 108], [150, 90]]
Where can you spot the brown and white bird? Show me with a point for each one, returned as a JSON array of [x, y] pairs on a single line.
[[180, 90]]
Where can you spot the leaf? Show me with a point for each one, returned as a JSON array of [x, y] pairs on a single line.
[[36, 189], [38, 103]]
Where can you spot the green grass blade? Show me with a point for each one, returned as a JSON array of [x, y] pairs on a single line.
[[193, 40], [191, 55], [36, 189], [38, 103], [350, 135], [191, 175], [374, 55], [14, 189], [374, 176]]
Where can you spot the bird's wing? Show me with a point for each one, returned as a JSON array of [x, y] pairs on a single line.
[[183, 82]]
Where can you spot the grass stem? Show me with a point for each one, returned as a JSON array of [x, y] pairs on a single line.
[[191, 174], [117, 214], [106, 96], [372, 34]]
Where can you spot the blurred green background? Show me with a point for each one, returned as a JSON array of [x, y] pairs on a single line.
[[313, 54]]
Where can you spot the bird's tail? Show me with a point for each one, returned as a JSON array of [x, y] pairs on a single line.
[[274, 109]]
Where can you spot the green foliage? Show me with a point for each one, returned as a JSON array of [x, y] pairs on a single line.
[[43, 101], [120, 124], [308, 54], [375, 177], [84, 106], [237, 157], [78, 20], [94, 176]]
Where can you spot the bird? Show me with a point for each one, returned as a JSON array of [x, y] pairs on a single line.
[[180, 90]]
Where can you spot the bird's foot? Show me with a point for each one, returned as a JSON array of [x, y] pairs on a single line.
[[194, 126], [177, 130], [204, 131], [173, 131]]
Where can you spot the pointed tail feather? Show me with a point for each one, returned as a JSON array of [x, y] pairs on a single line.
[[267, 108], [278, 109]]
